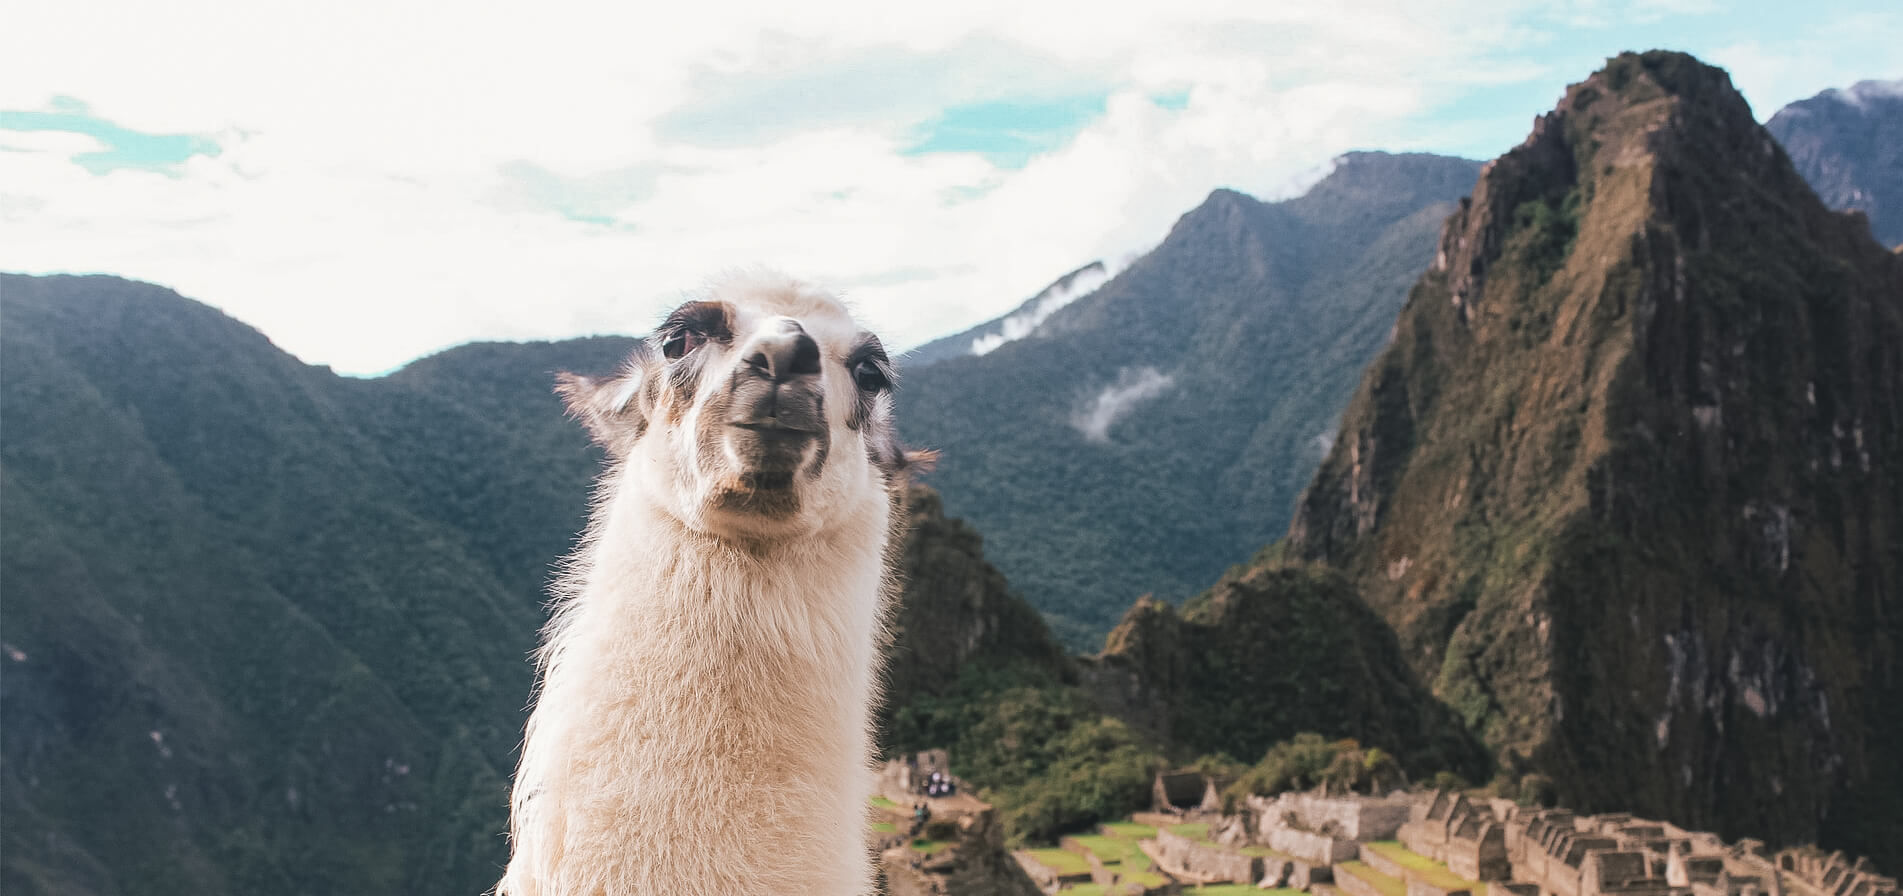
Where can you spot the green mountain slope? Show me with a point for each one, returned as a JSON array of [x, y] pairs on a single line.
[[1629, 480], [1149, 435], [234, 664]]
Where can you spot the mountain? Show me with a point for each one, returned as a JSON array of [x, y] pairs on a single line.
[[1849, 145], [1628, 482], [267, 628], [1268, 653], [1150, 434]]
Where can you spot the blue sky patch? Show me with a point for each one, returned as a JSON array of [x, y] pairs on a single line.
[[1009, 133], [1174, 100], [124, 147]]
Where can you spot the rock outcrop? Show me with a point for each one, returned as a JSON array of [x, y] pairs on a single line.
[[1265, 654], [955, 609]]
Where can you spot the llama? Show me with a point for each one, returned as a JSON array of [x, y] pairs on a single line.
[[707, 676]]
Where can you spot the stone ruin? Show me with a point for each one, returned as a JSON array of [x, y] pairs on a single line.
[[1555, 852], [968, 854], [1461, 834], [1442, 843], [1187, 791]]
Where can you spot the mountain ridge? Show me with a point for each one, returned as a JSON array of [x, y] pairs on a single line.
[[1151, 434]]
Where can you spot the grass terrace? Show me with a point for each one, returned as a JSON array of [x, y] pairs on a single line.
[[1431, 871], [1117, 849], [1193, 831], [1388, 886], [1129, 829], [1118, 855], [1109, 850], [1062, 861], [885, 827], [883, 803], [1146, 878], [928, 847]]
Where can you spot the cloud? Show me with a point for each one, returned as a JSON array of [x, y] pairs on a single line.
[[1810, 56], [1134, 386], [391, 179], [1025, 321]]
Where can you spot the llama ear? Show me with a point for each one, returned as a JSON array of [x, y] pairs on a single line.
[[608, 406], [919, 460], [900, 462]]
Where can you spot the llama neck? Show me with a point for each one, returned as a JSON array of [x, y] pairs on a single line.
[[705, 644], [699, 699]]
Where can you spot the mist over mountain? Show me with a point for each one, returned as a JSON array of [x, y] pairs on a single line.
[[1019, 323], [1848, 144], [1627, 481], [1150, 434]]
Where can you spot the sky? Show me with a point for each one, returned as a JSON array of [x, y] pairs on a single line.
[[368, 183]]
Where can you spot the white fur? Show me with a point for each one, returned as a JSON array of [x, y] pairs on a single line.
[[702, 723]]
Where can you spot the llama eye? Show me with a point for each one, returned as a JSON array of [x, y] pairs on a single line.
[[681, 342], [868, 377]]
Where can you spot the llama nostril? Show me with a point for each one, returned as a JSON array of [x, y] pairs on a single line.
[[785, 355]]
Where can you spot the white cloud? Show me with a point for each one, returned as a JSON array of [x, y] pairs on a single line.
[[61, 144], [1133, 387], [401, 176], [1022, 323], [1833, 52]]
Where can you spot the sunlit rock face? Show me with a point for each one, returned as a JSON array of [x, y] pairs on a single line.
[[1628, 480]]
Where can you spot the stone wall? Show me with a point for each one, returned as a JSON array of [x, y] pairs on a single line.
[[1200, 862], [1478, 851], [1352, 817], [1323, 830], [1319, 849]]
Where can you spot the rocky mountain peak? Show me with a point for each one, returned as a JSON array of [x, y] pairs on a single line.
[[1616, 479]]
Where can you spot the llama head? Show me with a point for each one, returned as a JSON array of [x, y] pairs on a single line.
[[758, 408]]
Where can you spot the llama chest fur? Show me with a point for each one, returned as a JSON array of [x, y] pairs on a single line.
[[704, 713]]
